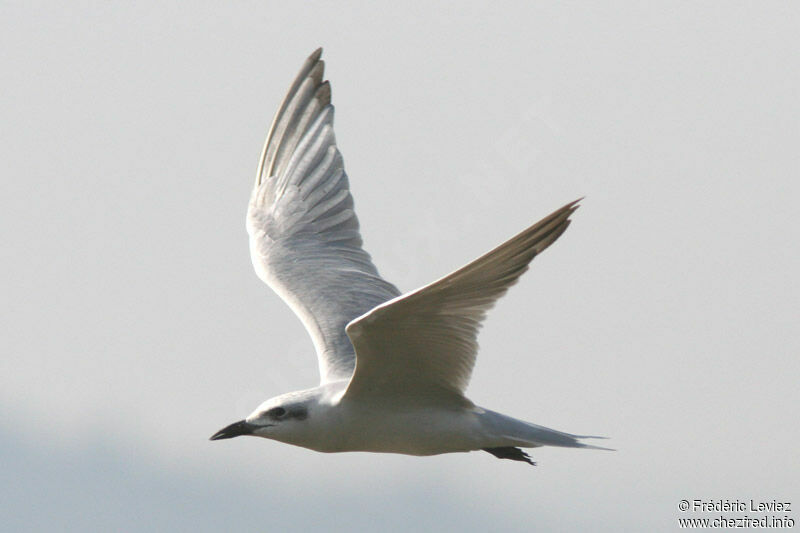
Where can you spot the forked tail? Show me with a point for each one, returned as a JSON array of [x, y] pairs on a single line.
[[510, 432]]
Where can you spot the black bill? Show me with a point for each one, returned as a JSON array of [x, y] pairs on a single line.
[[234, 430]]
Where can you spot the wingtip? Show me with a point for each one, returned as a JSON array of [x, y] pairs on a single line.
[[575, 204], [571, 207], [313, 67]]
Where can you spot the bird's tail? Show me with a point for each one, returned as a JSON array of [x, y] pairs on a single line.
[[512, 432]]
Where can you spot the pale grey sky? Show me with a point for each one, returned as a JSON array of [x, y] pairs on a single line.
[[665, 318]]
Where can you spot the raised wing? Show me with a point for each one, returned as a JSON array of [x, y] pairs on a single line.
[[422, 345], [304, 238]]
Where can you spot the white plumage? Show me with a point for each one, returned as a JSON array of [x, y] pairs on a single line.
[[393, 368]]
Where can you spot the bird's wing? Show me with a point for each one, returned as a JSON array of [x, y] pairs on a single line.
[[423, 344], [304, 238]]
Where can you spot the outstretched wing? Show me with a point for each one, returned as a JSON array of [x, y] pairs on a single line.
[[304, 238], [422, 345]]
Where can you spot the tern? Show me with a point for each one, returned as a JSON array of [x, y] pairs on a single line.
[[393, 367]]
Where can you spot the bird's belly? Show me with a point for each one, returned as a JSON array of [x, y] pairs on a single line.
[[414, 432]]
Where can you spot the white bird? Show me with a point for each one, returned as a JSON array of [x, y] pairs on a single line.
[[393, 366]]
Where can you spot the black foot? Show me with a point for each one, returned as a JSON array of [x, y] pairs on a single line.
[[509, 452]]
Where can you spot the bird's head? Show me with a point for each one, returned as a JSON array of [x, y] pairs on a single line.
[[279, 418]]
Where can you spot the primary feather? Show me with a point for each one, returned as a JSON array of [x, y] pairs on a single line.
[[304, 234]]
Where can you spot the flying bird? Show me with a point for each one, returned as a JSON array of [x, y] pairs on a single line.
[[393, 367]]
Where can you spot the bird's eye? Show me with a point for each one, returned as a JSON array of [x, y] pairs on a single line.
[[276, 412]]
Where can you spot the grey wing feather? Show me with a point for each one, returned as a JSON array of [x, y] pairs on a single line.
[[424, 343], [304, 234]]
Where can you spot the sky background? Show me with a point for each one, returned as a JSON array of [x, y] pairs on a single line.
[[666, 317]]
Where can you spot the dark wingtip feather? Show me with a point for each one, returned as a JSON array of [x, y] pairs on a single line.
[[312, 67]]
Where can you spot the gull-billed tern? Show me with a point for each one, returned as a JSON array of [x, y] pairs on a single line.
[[393, 366]]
